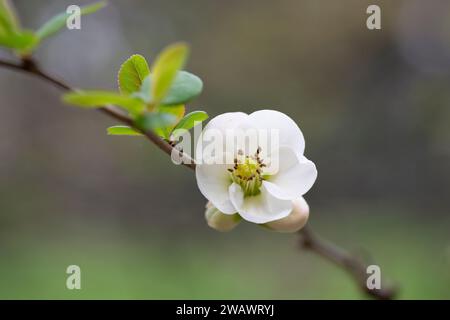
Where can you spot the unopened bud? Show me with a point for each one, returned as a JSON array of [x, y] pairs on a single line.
[[294, 221], [219, 220]]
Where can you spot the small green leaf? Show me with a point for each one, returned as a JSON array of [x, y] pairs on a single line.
[[132, 73], [92, 8], [155, 121], [177, 112], [165, 68], [98, 99], [189, 121], [185, 87], [8, 19], [59, 21], [11, 36], [18, 40], [123, 131], [144, 91]]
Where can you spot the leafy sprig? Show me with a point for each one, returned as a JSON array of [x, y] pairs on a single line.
[[154, 100], [24, 41]]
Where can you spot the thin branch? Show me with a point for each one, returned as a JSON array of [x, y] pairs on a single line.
[[308, 239], [30, 66], [354, 266], [11, 65]]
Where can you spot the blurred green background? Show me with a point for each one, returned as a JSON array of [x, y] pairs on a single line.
[[374, 107]]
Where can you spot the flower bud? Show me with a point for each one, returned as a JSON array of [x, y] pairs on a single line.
[[220, 221], [294, 221]]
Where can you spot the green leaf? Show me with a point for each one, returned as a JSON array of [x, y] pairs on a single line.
[[123, 131], [59, 21], [177, 112], [19, 41], [8, 19], [98, 99], [189, 121], [11, 36], [144, 92], [132, 73], [155, 121], [165, 68], [185, 87]]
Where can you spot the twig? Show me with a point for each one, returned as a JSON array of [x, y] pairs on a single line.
[[308, 239], [351, 264], [30, 66]]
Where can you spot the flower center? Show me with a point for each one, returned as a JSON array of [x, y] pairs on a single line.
[[247, 172]]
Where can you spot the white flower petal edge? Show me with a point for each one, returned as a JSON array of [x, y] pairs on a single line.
[[220, 123], [295, 176], [295, 220], [213, 181], [290, 134], [226, 121], [261, 208]]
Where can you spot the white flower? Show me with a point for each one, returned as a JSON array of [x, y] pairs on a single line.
[[262, 183]]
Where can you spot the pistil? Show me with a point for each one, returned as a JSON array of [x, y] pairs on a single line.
[[247, 172]]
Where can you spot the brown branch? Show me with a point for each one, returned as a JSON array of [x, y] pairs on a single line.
[[30, 66], [354, 266], [308, 239]]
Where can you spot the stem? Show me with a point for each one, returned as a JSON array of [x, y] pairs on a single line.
[[309, 240], [30, 66], [354, 266]]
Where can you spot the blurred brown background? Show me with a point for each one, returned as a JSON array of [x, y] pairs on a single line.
[[374, 107]]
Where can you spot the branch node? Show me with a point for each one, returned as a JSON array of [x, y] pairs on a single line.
[[28, 64]]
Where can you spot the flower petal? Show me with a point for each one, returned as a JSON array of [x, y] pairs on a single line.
[[289, 133], [213, 139], [213, 181], [261, 208], [226, 121], [295, 220], [294, 178]]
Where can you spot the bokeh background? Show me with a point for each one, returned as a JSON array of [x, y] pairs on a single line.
[[374, 107]]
